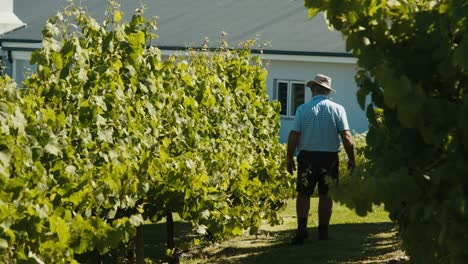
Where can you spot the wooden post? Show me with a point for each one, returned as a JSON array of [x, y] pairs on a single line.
[[170, 230], [139, 246]]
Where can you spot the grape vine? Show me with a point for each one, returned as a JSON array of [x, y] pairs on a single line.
[[108, 135], [413, 85]]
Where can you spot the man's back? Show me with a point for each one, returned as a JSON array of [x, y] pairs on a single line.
[[319, 122]]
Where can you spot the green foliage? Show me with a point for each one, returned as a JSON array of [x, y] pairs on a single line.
[[413, 59], [355, 188], [108, 135]]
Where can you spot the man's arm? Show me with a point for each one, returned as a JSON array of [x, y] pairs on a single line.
[[349, 148], [293, 141]]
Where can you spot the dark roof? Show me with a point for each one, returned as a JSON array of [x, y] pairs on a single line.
[[185, 23]]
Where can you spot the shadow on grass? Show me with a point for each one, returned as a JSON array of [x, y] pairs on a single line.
[[351, 243], [155, 238]]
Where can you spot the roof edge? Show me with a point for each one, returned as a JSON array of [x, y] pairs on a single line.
[[182, 48], [266, 51], [18, 48], [20, 40]]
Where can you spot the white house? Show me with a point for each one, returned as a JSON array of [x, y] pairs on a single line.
[[298, 47]]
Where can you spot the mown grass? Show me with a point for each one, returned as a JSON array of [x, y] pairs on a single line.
[[355, 239]]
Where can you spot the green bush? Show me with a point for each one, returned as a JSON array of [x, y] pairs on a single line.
[[356, 189], [413, 85], [107, 136]]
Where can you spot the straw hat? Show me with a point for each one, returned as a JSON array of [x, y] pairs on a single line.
[[321, 80]]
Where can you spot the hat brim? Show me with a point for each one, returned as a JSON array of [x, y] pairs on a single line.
[[312, 82]]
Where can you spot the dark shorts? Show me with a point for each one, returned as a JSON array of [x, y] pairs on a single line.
[[313, 168]]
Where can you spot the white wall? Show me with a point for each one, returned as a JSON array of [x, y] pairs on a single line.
[[343, 82]]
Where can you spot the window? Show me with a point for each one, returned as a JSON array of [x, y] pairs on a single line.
[[22, 70], [290, 94]]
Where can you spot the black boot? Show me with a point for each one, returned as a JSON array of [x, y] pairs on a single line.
[[301, 232], [323, 232]]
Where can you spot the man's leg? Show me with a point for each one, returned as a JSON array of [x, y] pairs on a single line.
[[302, 205], [325, 202], [305, 187], [302, 211], [324, 214]]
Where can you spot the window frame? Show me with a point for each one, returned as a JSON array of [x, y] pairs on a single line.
[[17, 72], [289, 102]]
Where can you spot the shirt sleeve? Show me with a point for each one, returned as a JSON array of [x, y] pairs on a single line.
[[342, 123], [297, 120]]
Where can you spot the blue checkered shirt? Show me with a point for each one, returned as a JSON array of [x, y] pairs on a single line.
[[319, 121]]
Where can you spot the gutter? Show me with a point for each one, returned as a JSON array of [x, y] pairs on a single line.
[[30, 45], [183, 48]]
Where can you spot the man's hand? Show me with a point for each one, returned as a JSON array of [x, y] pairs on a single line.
[[349, 148], [291, 165], [293, 140]]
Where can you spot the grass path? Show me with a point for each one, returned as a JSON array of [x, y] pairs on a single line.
[[370, 239]]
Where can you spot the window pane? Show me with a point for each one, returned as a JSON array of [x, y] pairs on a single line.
[[297, 96], [23, 70], [283, 97], [6, 68]]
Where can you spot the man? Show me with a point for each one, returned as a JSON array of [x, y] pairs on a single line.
[[318, 126]]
